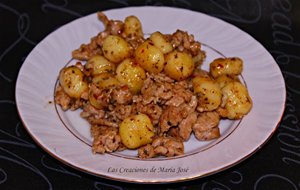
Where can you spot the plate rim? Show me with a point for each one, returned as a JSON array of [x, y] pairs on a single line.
[[151, 181]]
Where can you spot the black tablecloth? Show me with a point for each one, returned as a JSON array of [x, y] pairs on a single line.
[[24, 165]]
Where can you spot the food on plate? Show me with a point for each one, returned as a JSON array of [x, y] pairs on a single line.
[[236, 100], [179, 65], [226, 66], [161, 42], [209, 92], [150, 93], [149, 57], [131, 74], [99, 64], [71, 81], [136, 131]]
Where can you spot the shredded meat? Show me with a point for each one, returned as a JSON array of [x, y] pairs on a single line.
[[101, 121], [121, 112], [106, 139], [62, 99], [206, 126], [156, 89], [91, 111], [163, 90], [172, 115], [146, 151], [86, 51], [174, 132], [114, 27], [66, 102], [152, 110], [162, 146], [185, 126], [183, 41], [122, 95]]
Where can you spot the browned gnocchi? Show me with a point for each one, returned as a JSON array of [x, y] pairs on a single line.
[[72, 81], [115, 48]]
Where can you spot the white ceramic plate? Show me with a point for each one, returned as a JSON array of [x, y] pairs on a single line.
[[66, 136]]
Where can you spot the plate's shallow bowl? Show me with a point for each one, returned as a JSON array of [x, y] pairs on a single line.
[[65, 135]]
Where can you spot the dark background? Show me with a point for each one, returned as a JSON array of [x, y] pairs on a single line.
[[24, 23]]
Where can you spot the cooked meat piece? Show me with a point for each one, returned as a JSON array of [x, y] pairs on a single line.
[[154, 91], [163, 91], [206, 126], [175, 101], [102, 96], [106, 139], [167, 146], [160, 88], [183, 41], [66, 102], [182, 89], [174, 132], [152, 110], [207, 120], [162, 146], [208, 135], [122, 111], [114, 27], [62, 99], [146, 151], [161, 77], [189, 107], [222, 112], [85, 95], [104, 122], [91, 111], [121, 95], [172, 115], [86, 51], [180, 94], [183, 84], [135, 41], [185, 126], [103, 18]]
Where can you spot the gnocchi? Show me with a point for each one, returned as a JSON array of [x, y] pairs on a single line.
[[236, 100], [209, 92], [131, 74], [99, 64], [226, 66], [160, 41], [179, 65], [115, 48], [149, 57], [133, 27], [225, 79], [136, 131], [72, 81], [105, 80]]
